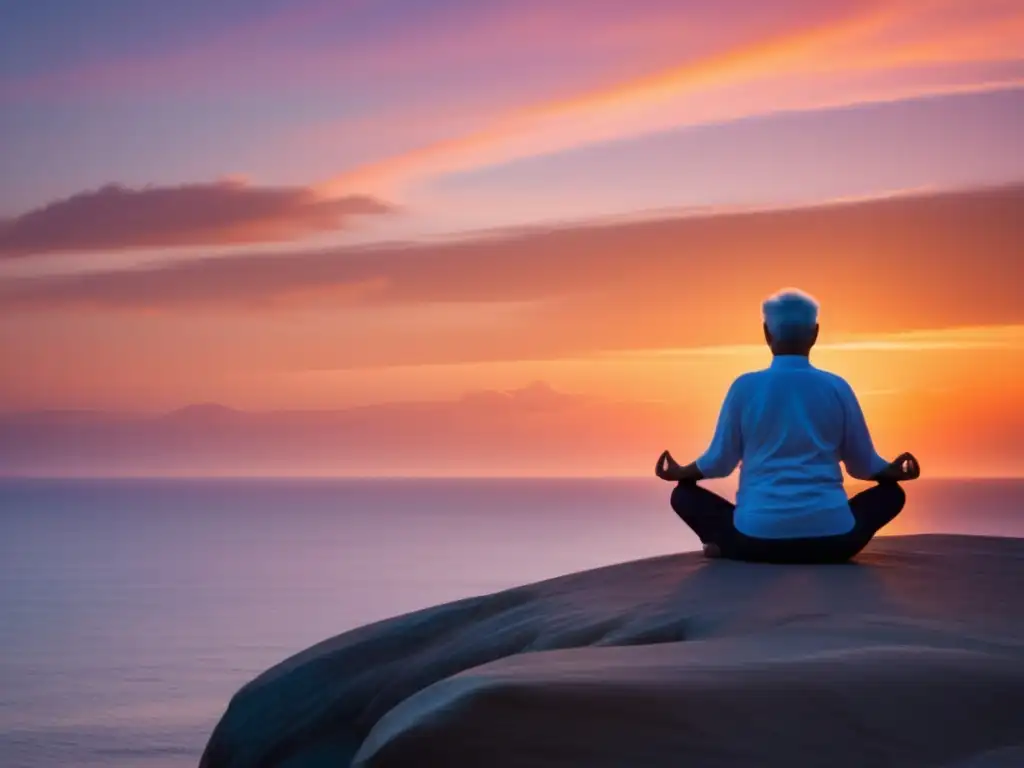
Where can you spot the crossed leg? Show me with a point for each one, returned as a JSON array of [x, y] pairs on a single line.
[[707, 514], [711, 517]]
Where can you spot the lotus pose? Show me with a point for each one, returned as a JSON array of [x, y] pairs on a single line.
[[789, 426]]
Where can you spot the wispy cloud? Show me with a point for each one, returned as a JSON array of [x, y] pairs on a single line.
[[998, 337], [219, 213], [861, 53]]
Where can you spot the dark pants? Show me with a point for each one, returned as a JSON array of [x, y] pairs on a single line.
[[711, 518]]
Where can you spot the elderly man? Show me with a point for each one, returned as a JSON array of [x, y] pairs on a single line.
[[790, 426]]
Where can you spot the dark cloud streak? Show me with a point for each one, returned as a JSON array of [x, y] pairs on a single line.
[[935, 259], [226, 212]]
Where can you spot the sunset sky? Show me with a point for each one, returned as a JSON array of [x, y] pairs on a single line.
[[513, 236]]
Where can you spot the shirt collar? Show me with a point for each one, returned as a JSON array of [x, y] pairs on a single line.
[[790, 361]]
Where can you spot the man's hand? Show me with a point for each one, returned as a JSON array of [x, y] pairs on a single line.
[[667, 468], [905, 467]]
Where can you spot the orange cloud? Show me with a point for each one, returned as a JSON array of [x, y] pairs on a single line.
[[780, 53], [225, 212]]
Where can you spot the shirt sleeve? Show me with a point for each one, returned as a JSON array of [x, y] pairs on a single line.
[[857, 451], [726, 449]]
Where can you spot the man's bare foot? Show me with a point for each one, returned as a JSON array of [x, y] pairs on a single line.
[[712, 550]]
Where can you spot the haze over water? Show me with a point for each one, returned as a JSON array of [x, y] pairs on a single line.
[[132, 610]]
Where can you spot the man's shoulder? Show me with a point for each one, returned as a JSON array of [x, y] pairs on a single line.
[[828, 374], [834, 379], [747, 383], [749, 378]]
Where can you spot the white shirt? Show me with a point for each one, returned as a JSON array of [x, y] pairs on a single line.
[[791, 425]]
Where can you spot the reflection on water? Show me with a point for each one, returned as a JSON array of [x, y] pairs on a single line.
[[132, 610]]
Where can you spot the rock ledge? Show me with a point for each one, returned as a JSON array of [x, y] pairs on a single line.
[[912, 656]]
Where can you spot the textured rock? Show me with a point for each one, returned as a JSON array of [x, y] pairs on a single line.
[[912, 656]]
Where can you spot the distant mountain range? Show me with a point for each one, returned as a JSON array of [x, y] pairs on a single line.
[[534, 430]]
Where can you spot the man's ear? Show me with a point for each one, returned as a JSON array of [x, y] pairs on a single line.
[[814, 338], [767, 334]]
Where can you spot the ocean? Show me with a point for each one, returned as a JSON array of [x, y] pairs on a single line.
[[131, 610]]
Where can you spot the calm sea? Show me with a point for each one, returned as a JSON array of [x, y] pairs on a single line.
[[130, 611]]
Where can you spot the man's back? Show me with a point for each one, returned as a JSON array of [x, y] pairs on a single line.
[[791, 425]]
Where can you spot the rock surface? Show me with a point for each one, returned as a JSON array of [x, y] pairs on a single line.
[[912, 656]]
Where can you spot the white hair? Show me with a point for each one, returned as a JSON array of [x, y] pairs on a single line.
[[791, 315]]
